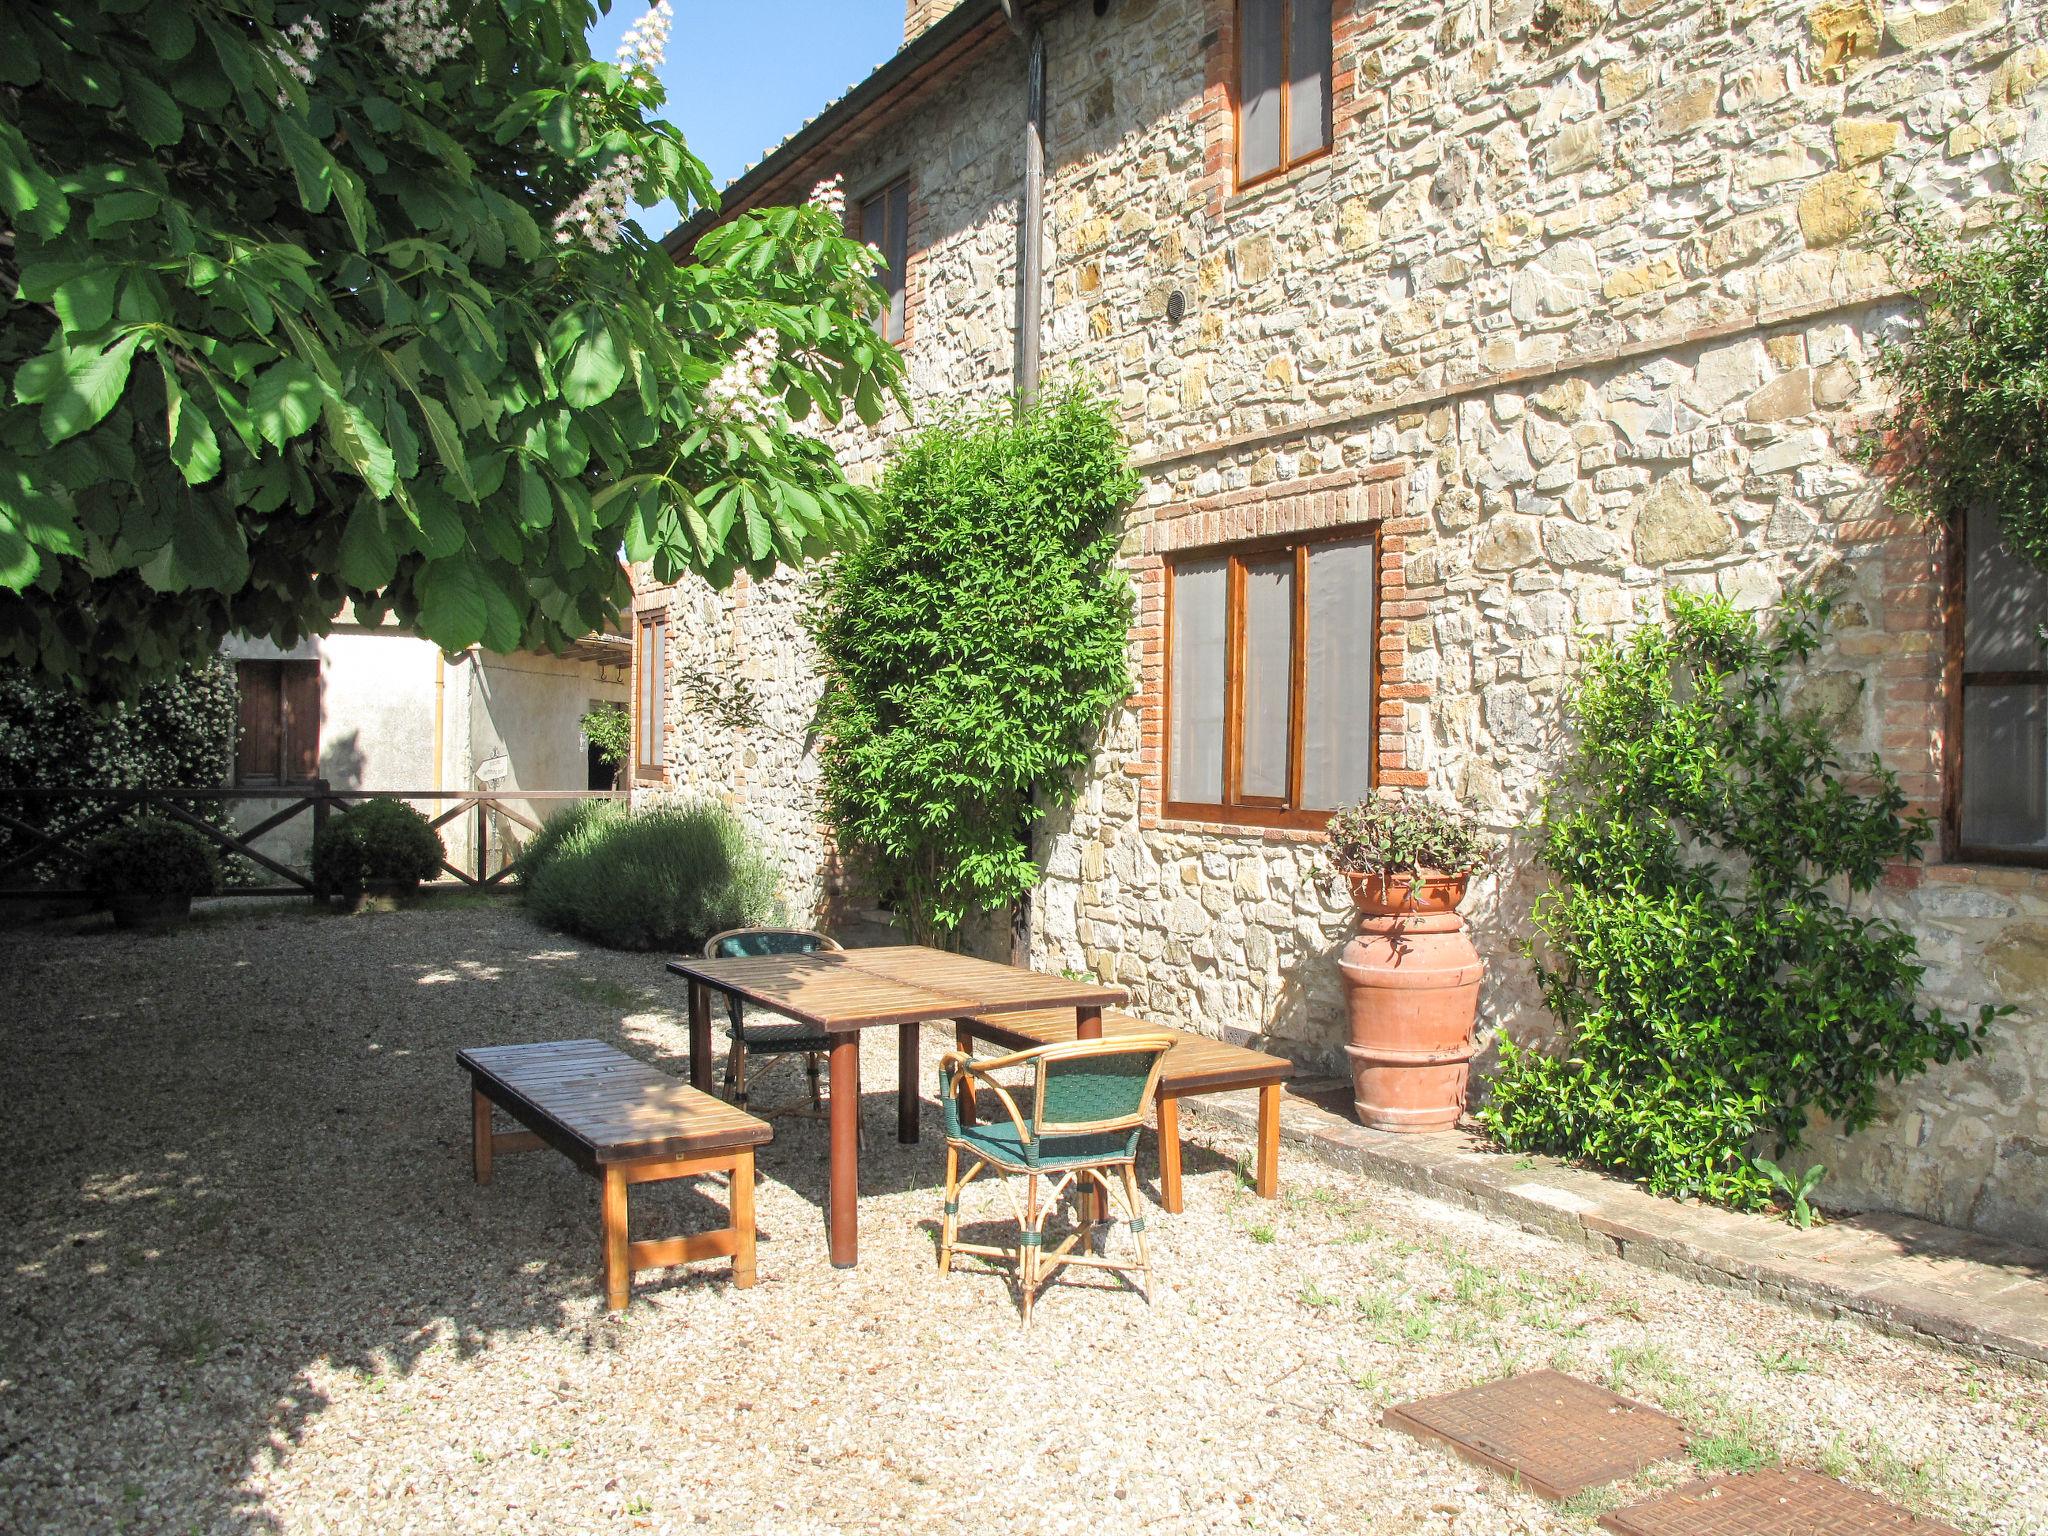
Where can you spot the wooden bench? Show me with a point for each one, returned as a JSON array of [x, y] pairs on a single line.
[[1195, 1065], [624, 1123]]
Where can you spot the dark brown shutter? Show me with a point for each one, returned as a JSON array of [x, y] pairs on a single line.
[[299, 725], [256, 754]]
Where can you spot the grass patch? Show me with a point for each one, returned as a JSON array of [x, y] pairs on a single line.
[[189, 1339], [1589, 1505], [1313, 1295], [1783, 1362], [1735, 1447]]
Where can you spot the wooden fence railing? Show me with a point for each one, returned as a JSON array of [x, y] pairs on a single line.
[[31, 841]]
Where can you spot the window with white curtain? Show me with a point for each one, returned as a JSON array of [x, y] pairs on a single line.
[[1269, 685], [1284, 61]]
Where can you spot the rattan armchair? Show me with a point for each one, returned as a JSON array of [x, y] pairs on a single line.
[[1087, 1103], [782, 1038]]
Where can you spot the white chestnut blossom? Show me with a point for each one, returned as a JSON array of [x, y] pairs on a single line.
[[831, 196], [599, 213], [301, 50], [645, 44], [742, 391], [416, 33]]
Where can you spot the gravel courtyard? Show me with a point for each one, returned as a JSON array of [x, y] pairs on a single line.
[[250, 1286]]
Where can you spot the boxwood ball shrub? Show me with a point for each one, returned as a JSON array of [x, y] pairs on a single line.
[[1714, 987], [377, 842], [151, 857], [664, 879]]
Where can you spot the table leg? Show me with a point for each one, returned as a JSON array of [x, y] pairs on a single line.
[[1269, 1141], [479, 1134], [700, 1036], [907, 1037], [1169, 1153], [963, 1039], [842, 1212]]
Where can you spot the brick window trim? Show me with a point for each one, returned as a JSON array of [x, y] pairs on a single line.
[[1374, 500], [1217, 114]]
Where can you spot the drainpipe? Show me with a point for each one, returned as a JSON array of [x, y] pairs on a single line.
[[1031, 213], [1024, 378]]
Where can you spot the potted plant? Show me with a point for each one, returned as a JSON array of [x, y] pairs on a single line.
[[380, 848], [1411, 976], [147, 872]]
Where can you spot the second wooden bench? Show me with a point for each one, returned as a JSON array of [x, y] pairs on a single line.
[[624, 1123], [1195, 1065]]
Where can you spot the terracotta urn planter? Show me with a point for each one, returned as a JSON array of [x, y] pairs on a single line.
[[1411, 986]]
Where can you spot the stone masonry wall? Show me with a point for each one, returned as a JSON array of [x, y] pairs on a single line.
[[1580, 309]]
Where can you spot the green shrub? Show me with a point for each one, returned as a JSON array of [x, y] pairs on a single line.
[[1401, 834], [151, 857], [378, 841], [664, 879], [1713, 986], [609, 728], [972, 647], [557, 829]]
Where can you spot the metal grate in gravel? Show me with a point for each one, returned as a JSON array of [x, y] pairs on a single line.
[[1772, 1503], [1558, 1434]]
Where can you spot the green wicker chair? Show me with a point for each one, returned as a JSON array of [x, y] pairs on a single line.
[[1088, 1102], [783, 1038]]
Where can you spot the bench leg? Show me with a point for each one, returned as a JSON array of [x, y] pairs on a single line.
[[1269, 1141], [618, 1270], [1169, 1153], [480, 1135], [741, 1202]]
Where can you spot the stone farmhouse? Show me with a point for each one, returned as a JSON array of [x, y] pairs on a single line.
[[1446, 336]]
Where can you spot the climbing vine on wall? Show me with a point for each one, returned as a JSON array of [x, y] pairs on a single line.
[[1970, 425], [972, 647]]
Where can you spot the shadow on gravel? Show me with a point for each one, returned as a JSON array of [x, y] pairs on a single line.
[[238, 1159]]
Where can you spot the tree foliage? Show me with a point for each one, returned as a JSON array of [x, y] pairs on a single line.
[[972, 646], [1712, 983], [1970, 424], [286, 322]]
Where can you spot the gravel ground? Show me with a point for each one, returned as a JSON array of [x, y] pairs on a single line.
[[249, 1286]]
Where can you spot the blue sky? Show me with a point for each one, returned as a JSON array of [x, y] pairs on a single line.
[[743, 74]]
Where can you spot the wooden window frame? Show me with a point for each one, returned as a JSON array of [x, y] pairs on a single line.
[[1286, 165], [857, 219], [650, 694], [288, 732], [1955, 680], [1263, 811]]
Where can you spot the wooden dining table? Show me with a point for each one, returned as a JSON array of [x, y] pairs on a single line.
[[842, 992]]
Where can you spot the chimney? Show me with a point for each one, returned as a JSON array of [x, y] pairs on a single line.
[[920, 14]]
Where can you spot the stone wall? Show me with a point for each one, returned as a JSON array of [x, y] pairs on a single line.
[[1580, 309]]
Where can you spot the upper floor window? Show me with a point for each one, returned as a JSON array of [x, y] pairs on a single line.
[[1998, 782], [1283, 85], [885, 224], [279, 705], [1270, 681], [650, 712]]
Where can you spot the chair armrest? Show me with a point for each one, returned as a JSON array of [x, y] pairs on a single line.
[[959, 1070]]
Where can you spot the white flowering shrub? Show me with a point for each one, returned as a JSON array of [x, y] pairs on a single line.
[[175, 734]]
